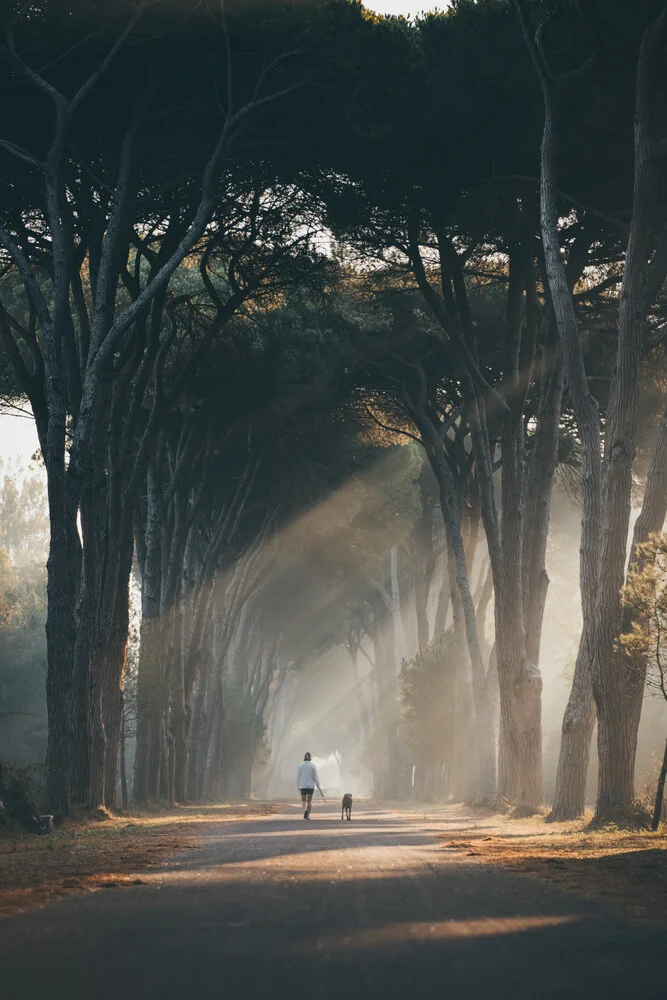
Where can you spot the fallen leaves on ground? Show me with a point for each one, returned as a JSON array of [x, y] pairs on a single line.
[[628, 869], [102, 854]]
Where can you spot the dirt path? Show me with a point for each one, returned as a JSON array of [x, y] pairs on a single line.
[[277, 907]]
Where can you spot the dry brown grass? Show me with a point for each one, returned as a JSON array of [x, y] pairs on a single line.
[[626, 868], [97, 854]]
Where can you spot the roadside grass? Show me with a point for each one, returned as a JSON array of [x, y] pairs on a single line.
[[625, 867], [87, 854]]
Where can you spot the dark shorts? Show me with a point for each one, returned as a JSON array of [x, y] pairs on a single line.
[[307, 791]]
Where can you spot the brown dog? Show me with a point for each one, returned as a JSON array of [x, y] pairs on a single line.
[[347, 806]]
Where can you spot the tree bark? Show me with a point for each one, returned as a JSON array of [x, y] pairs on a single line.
[[149, 679], [660, 791], [463, 777], [114, 668], [125, 798], [575, 747]]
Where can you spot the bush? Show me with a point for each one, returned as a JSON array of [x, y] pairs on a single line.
[[18, 795]]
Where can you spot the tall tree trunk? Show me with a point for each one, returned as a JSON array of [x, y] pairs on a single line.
[[660, 792], [385, 776], [113, 669], [125, 798], [197, 733], [463, 779], [621, 729], [400, 641], [575, 745], [485, 723], [63, 574], [179, 712], [585, 407], [579, 717], [616, 689], [149, 678], [360, 699], [88, 753], [520, 683], [425, 560], [539, 489]]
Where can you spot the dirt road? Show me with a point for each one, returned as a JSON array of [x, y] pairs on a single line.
[[282, 908]]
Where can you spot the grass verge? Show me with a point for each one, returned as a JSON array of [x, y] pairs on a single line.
[[623, 867], [112, 851]]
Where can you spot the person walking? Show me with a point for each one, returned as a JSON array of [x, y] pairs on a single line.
[[306, 779]]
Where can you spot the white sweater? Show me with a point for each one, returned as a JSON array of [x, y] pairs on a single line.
[[306, 776]]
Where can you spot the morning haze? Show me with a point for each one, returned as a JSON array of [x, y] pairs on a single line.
[[333, 486]]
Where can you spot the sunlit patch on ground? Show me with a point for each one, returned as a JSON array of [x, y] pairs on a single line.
[[355, 864], [398, 934]]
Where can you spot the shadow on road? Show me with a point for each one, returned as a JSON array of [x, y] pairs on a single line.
[[282, 909], [284, 836]]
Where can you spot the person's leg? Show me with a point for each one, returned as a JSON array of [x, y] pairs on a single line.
[[309, 806], [304, 804]]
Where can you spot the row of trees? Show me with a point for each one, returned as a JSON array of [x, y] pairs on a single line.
[[232, 245], [608, 458]]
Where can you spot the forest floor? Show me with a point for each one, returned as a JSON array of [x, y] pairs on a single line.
[[403, 901], [104, 853]]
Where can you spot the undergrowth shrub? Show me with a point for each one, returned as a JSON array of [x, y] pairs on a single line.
[[19, 794]]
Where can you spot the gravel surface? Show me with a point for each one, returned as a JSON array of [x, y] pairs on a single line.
[[279, 907]]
